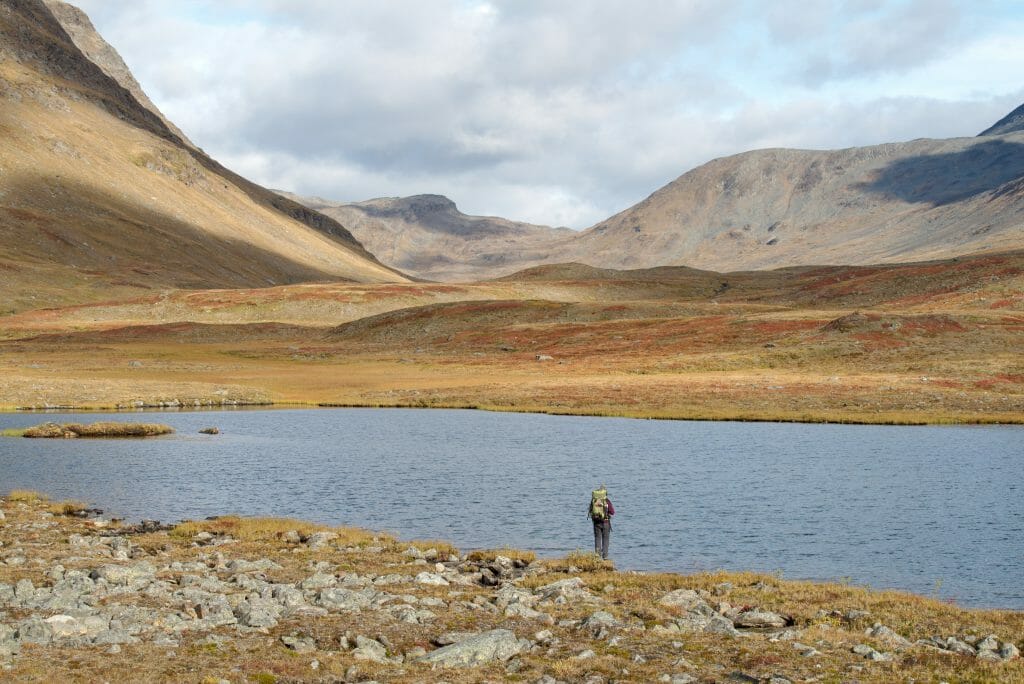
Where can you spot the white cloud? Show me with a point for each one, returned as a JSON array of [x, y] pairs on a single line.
[[558, 113]]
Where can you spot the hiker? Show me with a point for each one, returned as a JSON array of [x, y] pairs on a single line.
[[601, 511]]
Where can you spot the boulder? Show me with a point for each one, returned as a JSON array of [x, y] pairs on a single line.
[[134, 576], [299, 644], [318, 540], [481, 649], [318, 580], [687, 600], [257, 612], [759, 618], [341, 599], [370, 649], [432, 579], [888, 637]]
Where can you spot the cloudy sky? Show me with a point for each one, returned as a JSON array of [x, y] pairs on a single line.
[[555, 112]]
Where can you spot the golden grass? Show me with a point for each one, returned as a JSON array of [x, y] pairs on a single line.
[[443, 548], [258, 529], [68, 507], [584, 561], [487, 555], [100, 429], [26, 496], [12, 432]]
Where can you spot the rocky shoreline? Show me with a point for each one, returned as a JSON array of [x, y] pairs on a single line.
[[237, 600]]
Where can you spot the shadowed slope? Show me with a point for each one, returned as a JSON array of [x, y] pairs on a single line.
[[100, 197]]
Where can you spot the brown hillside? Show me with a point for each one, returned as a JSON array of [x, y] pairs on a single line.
[[924, 199], [427, 236], [100, 197]]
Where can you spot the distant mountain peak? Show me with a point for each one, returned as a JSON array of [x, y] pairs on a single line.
[[1011, 123]]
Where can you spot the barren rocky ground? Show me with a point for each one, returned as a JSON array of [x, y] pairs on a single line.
[[83, 598]]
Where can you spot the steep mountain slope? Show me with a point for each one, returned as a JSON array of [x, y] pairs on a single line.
[[99, 196], [1011, 123], [923, 199], [427, 236]]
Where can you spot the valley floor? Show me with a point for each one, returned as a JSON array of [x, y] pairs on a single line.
[[918, 343]]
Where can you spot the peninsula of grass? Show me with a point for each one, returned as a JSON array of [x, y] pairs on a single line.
[[100, 429]]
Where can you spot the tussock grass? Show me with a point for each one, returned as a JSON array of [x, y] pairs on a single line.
[[269, 529], [487, 555], [100, 429], [26, 496], [584, 561], [443, 548], [68, 507]]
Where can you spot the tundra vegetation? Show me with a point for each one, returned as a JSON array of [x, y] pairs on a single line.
[[932, 342], [100, 429], [237, 599]]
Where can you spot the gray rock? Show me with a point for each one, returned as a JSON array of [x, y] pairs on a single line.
[[133, 576], [257, 612], [687, 600], [215, 610], [759, 618], [120, 548], [241, 565], [989, 643], [870, 653], [957, 646], [370, 649], [495, 645], [452, 638], [319, 580], [1009, 651], [288, 596], [889, 637], [299, 644], [599, 623], [571, 589], [318, 540], [432, 579], [989, 656], [341, 599], [35, 630], [114, 637]]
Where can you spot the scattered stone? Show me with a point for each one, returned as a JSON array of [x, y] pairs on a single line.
[[299, 644], [888, 637], [759, 619], [495, 645], [210, 431]]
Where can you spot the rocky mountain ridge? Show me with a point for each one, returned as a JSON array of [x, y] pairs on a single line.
[[763, 209], [427, 236]]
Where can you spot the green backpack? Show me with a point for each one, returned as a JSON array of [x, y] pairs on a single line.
[[599, 504]]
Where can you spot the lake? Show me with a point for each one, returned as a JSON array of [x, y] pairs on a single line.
[[934, 510]]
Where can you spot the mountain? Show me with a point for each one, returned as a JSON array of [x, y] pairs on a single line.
[[917, 200], [100, 195], [427, 236], [1011, 123]]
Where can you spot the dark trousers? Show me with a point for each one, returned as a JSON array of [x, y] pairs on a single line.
[[602, 533]]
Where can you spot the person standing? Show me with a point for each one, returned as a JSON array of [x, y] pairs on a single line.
[[601, 511]]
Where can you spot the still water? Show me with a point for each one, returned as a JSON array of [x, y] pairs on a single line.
[[934, 510]]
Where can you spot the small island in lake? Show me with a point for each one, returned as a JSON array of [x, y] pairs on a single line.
[[100, 429]]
